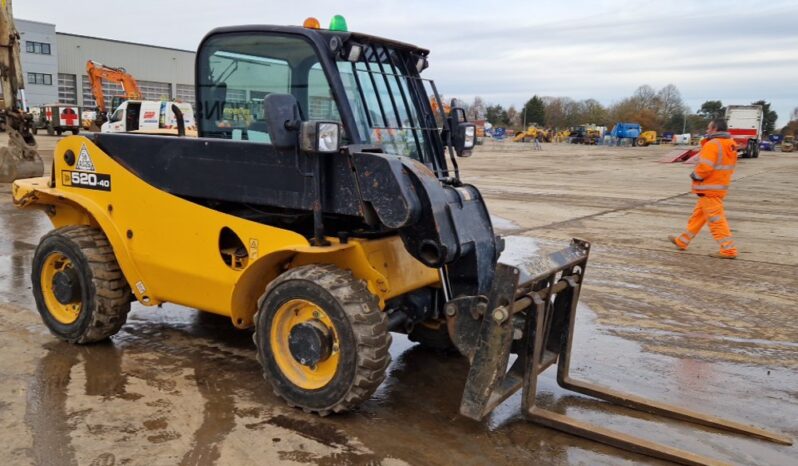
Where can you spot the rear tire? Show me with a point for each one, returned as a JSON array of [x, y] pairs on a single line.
[[356, 329], [97, 293], [59, 132], [76, 132], [749, 150]]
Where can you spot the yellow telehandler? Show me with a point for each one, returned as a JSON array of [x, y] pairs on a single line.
[[332, 218], [647, 138]]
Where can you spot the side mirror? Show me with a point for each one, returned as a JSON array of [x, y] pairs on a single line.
[[281, 112], [320, 136], [465, 138]]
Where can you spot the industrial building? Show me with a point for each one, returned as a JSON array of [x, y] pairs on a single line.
[[54, 66]]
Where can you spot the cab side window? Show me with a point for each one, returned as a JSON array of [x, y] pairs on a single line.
[[239, 70]]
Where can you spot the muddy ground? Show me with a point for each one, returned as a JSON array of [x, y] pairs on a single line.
[[176, 386]]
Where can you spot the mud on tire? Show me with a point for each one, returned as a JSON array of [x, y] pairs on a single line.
[[104, 292], [361, 328]]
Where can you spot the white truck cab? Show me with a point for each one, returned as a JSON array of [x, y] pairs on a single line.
[[148, 116], [745, 127]]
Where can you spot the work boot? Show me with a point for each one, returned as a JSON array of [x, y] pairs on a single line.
[[675, 241], [722, 256]]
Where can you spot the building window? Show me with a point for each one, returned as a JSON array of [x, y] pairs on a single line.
[[40, 78], [41, 48], [152, 90], [67, 89], [185, 93]]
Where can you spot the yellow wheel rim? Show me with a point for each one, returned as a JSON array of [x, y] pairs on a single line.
[[290, 314], [63, 313]]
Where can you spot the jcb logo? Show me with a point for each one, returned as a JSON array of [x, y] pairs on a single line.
[[99, 181]]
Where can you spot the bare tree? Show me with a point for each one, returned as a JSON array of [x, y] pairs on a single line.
[[478, 108], [669, 103]]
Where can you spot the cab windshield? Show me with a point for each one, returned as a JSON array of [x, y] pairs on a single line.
[[383, 97]]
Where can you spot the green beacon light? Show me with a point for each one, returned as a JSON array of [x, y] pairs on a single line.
[[338, 23]]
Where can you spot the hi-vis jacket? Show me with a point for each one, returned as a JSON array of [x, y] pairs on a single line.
[[718, 156]]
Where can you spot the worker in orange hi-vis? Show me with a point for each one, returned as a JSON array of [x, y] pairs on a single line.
[[711, 180]]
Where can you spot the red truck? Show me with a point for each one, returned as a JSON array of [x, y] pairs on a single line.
[[745, 126]]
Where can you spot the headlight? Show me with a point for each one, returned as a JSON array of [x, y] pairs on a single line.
[[320, 136], [470, 137], [328, 137]]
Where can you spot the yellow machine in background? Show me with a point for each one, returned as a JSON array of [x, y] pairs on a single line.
[[531, 133], [788, 144], [647, 138]]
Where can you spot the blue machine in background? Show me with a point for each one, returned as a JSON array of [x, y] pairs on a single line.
[[623, 131]]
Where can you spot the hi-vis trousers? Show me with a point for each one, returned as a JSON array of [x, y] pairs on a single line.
[[709, 210]]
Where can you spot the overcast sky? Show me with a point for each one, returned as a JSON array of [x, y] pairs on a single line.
[[734, 51]]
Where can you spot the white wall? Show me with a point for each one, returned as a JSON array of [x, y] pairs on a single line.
[[38, 94]]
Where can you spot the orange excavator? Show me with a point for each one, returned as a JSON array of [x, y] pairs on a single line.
[[97, 72]]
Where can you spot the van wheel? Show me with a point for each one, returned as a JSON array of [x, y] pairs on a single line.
[[76, 131], [59, 132], [79, 289]]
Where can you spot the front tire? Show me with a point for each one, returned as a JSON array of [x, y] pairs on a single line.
[[321, 339], [79, 289]]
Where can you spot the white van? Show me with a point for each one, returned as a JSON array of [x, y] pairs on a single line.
[[146, 116]]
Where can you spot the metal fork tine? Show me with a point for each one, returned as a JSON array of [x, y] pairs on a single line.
[[617, 439]]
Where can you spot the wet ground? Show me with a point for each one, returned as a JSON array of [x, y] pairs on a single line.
[[177, 386]]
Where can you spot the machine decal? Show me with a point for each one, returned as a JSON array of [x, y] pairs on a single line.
[[69, 117], [84, 160], [98, 181], [253, 248]]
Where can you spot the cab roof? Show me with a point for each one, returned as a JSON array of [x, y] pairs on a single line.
[[320, 33]]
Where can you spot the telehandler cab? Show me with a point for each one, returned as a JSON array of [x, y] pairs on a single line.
[[322, 205]]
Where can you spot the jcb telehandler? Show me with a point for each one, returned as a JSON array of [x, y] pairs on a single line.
[[331, 217]]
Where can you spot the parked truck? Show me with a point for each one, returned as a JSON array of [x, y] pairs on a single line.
[[745, 127], [149, 116], [56, 119]]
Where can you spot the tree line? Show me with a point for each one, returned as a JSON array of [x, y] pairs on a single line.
[[660, 110]]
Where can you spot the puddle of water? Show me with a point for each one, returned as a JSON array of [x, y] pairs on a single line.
[[503, 224], [519, 250]]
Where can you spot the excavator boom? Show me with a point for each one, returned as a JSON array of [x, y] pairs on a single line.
[[97, 72], [19, 159]]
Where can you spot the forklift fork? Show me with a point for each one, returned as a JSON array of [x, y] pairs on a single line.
[[536, 321]]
